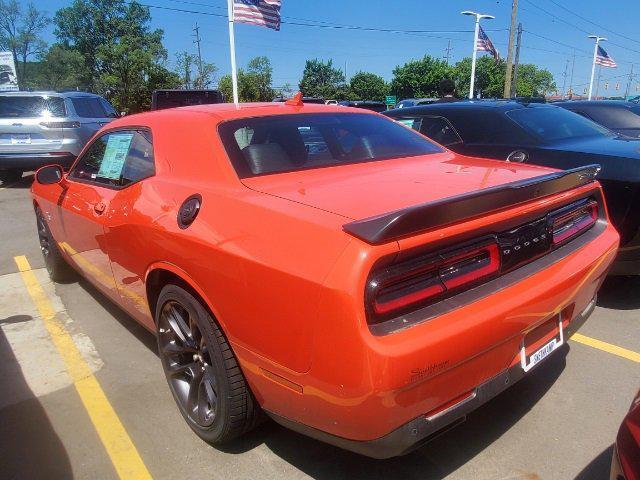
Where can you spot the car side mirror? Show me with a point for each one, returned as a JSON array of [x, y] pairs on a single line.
[[49, 175]]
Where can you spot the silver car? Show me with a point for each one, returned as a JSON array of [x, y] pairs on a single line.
[[41, 128]]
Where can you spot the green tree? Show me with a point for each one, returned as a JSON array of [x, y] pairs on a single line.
[[419, 78], [368, 86], [489, 77], [92, 26], [534, 81], [60, 68], [320, 79], [124, 59], [254, 83], [20, 31], [185, 67], [260, 72]]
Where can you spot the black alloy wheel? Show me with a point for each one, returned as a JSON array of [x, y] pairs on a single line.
[[188, 364], [201, 369]]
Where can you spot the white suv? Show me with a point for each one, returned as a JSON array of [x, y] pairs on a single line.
[[41, 128]]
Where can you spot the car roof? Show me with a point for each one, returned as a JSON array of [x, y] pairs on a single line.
[[49, 93], [598, 103], [495, 105], [231, 111]]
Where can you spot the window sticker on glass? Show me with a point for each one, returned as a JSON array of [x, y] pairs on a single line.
[[114, 155], [406, 121]]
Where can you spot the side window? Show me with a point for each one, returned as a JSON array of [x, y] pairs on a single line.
[[89, 107], [117, 159], [440, 130]]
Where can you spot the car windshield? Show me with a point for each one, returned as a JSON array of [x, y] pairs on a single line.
[[280, 143], [555, 124], [32, 106]]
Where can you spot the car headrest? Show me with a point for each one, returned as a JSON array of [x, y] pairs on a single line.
[[266, 158]]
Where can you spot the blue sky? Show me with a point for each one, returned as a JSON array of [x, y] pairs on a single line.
[[551, 33]]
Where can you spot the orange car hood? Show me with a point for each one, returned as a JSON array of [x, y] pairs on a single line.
[[367, 189]]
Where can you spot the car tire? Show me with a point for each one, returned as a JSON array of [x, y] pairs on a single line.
[[201, 369], [57, 267], [10, 176]]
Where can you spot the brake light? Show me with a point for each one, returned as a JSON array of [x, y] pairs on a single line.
[[567, 225], [408, 286], [60, 124]]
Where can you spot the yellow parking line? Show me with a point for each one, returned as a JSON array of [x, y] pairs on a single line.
[[607, 347], [114, 437]]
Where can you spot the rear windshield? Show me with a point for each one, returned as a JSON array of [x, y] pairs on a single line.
[[93, 107], [282, 143], [31, 106], [555, 123]]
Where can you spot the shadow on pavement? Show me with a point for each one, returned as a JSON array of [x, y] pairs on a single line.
[[29, 446], [24, 182], [435, 460], [620, 293], [142, 334], [599, 467]]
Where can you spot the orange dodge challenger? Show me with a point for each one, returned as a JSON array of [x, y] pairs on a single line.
[[325, 265]]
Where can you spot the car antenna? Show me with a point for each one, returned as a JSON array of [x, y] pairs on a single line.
[[295, 101]]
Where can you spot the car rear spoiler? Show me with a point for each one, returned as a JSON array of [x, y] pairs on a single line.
[[419, 218]]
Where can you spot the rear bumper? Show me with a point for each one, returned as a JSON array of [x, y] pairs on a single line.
[[33, 161], [421, 430]]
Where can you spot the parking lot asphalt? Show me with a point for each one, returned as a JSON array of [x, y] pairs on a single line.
[[557, 423]]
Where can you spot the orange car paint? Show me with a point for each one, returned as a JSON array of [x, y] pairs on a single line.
[[270, 259]]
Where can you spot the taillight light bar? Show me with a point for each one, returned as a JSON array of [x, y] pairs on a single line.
[[568, 225], [413, 284], [399, 289]]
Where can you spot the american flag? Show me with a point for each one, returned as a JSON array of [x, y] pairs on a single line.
[[265, 13], [485, 44], [603, 58]]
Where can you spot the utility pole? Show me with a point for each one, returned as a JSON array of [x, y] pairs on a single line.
[[626, 91], [197, 42], [512, 33], [447, 52], [346, 79], [564, 79], [573, 66], [517, 62]]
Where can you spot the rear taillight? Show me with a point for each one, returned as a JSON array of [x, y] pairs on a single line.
[[567, 225], [411, 285], [60, 124]]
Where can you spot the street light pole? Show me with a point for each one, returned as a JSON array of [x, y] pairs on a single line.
[[593, 65], [475, 45]]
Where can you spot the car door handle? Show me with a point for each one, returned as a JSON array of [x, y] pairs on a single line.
[[99, 208]]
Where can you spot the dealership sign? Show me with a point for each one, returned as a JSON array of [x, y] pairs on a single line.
[[8, 77]]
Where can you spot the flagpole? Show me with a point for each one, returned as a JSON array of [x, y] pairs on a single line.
[[475, 46], [232, 47], [473, 58], [593, 65]]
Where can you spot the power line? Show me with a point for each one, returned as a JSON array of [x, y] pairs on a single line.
[[592, 22], [576, 26]]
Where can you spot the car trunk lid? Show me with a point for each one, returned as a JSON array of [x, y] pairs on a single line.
[[369, 189]]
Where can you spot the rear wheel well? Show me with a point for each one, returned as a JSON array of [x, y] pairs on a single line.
[[157, 280]]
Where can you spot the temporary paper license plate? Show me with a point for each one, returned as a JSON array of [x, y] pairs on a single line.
[[542, 352], [20, 139]]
